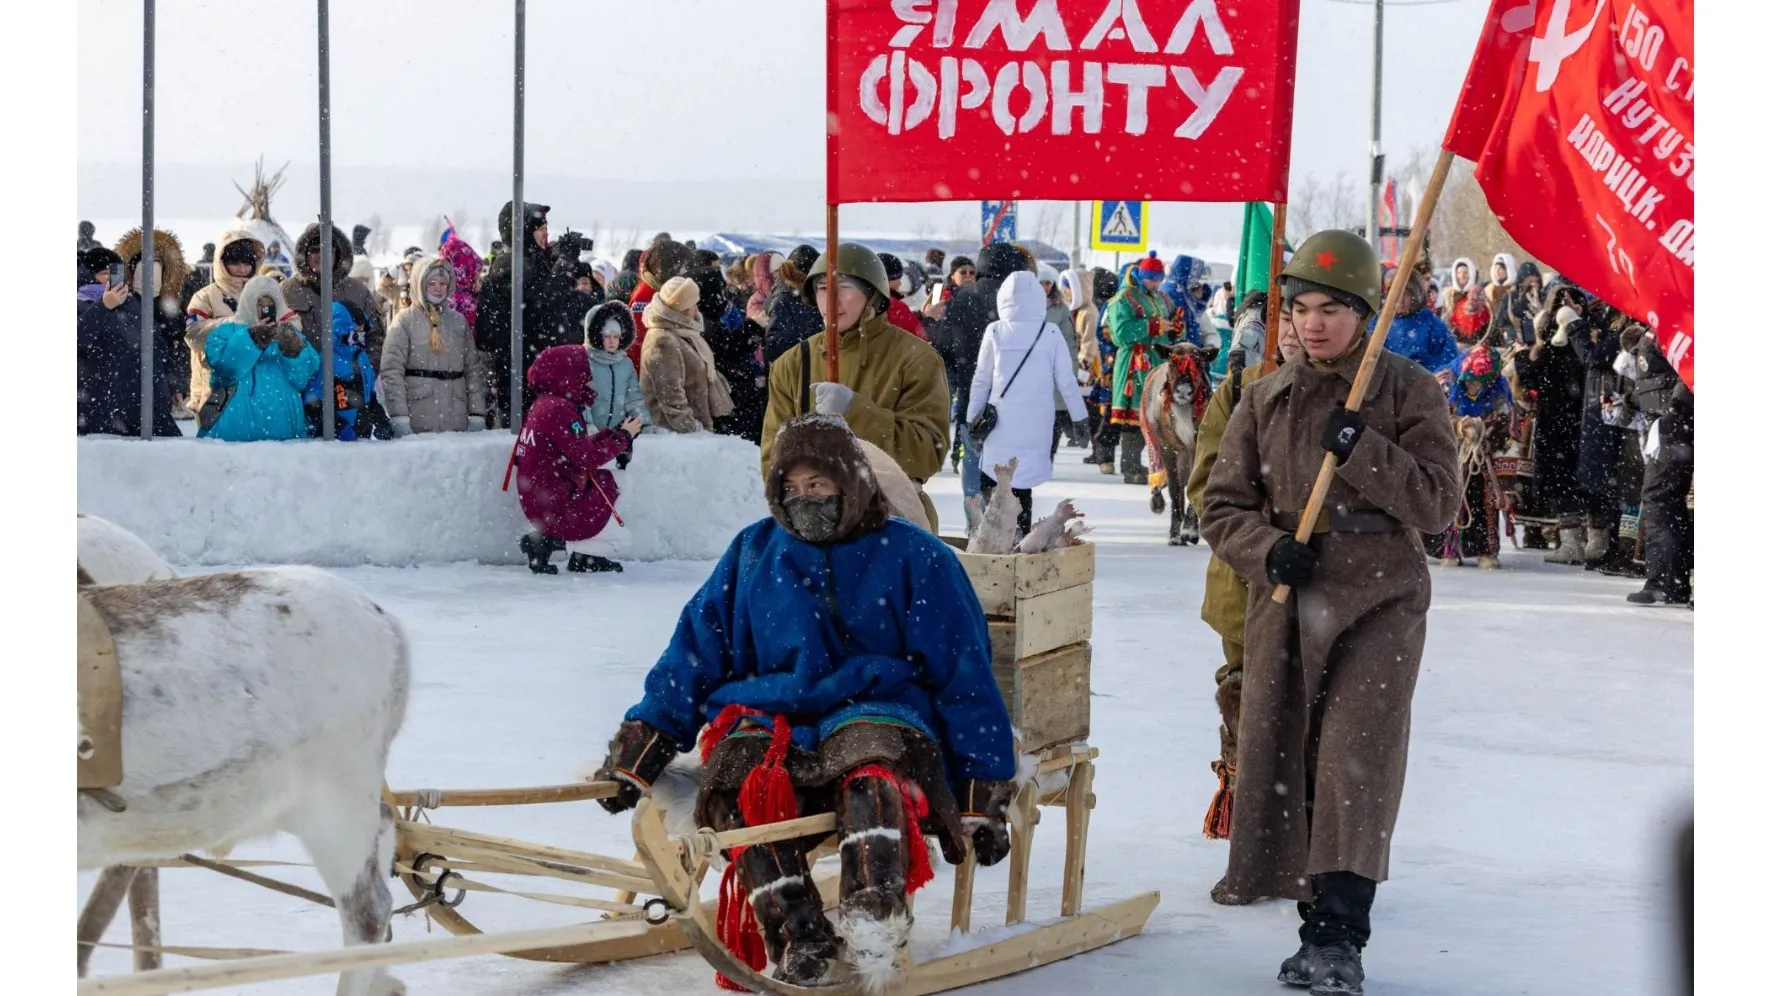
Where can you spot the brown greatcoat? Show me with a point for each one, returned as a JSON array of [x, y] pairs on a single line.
[[1328, 677]]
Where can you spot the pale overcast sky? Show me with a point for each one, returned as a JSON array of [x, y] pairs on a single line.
[[659, 90]]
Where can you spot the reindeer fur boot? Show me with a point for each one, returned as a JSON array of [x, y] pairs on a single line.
[[1572, 549], [874, 919], [790, 913]]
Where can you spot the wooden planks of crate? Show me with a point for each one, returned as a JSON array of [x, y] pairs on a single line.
[[1041, 617]]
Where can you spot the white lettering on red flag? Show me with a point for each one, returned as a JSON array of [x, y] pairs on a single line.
[[1177, 100], [1580, 118]]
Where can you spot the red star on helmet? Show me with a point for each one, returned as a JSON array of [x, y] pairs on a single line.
[[1326, 259]]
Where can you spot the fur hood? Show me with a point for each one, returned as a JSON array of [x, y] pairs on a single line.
[[826, 444], [597, 317], [1511, 265], [263, 286], [309, 241], [1474, 275], [1079, 283], [167, 252], [421, 270], [229, 284]]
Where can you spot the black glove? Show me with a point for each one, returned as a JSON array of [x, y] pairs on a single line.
[[636, 757], [621, 461], [1290, 563], [984, 806], [1341, 433]]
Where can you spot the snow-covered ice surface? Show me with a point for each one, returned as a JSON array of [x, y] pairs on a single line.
[[1552, 749]]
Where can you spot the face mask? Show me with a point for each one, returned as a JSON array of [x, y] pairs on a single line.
[[814, 518]]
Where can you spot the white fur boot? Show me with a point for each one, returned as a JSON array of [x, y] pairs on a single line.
[[1572, 549], [877, 949]]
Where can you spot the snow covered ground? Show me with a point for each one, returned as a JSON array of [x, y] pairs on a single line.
[[1552, 750]]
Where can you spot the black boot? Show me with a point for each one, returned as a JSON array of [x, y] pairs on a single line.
[[539, 549], [1131, 457], [1337, 970], [1297, 969], [585, 563], [1337, 925], [790, 913]]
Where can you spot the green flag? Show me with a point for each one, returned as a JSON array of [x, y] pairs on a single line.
[[1253, 270]]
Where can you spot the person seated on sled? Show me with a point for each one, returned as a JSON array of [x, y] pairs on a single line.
[[839, 660]]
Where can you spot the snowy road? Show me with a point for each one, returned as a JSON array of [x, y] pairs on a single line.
[[1552, 748]]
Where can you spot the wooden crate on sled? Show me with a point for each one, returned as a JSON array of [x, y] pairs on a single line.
[[1041, 617]]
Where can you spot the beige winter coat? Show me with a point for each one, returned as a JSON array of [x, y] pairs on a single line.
[[212, 307], [1328, 677], [433, 403], [683, 390]]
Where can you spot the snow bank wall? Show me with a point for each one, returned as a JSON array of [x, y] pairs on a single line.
[[422, 499]]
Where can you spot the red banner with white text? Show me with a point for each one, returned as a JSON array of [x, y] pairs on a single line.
[[1580, 116], [1164, 100]]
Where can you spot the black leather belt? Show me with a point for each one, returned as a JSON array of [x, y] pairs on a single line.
[[1339, 521], [435, 374]]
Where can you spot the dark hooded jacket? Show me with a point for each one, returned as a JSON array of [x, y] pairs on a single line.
[[560, 482], [960, 336], [303, 292], [734, 356], [547, 289]]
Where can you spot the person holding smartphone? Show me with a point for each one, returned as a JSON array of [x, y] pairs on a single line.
[[259, 364], [109, 337]]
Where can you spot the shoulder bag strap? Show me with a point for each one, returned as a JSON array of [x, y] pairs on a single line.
[[805, 377], [1023, 359]]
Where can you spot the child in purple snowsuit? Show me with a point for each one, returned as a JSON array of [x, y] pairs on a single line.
[[564, 492]]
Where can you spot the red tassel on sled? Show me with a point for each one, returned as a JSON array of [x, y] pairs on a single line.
[[1222, 809], [766, 796]]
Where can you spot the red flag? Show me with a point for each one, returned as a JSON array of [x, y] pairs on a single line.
[[1388, 216], [1580, 118], [1173, 100]]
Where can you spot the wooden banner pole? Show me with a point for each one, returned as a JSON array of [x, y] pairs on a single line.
[[831, 333], [1275, 267], [1368, 366]]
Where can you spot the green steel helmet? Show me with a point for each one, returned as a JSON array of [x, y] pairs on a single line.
[[854, 260], [1340, 261]]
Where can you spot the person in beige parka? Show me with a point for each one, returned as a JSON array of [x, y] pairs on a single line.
[[683, 390], [431, 377], [237, 257]]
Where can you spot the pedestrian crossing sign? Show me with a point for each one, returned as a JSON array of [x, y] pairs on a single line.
[[1119, 226]]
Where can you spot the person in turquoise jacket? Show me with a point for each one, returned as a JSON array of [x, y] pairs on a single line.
[[838, 659], [608, 331], [259, 363]]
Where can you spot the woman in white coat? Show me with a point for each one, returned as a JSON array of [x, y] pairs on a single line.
[[1021, 360]]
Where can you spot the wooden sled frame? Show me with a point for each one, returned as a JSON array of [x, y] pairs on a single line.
[[676, 865], [671, 870]]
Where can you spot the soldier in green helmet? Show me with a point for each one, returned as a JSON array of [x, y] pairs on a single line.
[[891, 386], [1328, 677]]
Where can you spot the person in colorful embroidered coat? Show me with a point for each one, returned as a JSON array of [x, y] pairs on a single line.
[[866, 632], [1138, 318], [565, 492], [1481, 400], [431, 376], [259, 369], [1106, 435]]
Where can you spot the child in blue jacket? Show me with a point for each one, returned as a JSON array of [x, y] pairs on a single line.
[[838, 659]]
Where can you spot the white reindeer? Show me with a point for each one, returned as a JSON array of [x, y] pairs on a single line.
[[256, 702], [110, 554], [1168, 397]]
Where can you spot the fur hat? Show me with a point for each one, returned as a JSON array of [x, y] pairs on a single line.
[[1564, 321], [680, 294], [826, 444], [999, 259], [167, 252], [1047, 274], [804, 258]]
